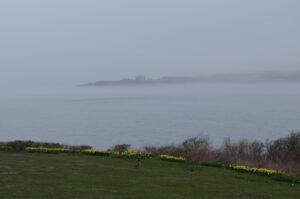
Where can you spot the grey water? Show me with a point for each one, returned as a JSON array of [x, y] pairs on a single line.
[[104, 116]]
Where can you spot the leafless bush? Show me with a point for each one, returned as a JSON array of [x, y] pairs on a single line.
[[285, 150], [257, 151], [243, 151], [120, 148], [197, 149]]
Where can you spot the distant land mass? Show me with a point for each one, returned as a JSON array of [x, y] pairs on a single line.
[[287, 77]]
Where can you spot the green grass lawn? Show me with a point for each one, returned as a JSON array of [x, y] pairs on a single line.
[[34, 175]]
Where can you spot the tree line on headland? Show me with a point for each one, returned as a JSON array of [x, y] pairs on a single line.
[[268, 77]]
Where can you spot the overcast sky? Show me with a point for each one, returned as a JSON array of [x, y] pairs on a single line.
[[77, 41]]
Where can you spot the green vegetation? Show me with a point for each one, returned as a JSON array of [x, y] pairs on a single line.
[[75, 175]]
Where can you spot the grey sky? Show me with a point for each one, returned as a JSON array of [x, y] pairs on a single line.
[[77, 41]]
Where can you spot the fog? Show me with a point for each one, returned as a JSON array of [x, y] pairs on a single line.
[[68, 42]]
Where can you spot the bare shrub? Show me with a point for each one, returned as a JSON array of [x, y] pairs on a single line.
[[257, 152], [285, 150], [197, 149], [120, 148], [228, 153]]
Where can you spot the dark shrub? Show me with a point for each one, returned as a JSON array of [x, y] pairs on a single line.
[[120, 148], [285, 149], [197, 149], [20, 145]]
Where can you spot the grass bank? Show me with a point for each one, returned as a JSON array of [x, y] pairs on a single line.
[[35, 175]]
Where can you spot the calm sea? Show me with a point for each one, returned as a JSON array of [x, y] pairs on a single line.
[[102, 117]]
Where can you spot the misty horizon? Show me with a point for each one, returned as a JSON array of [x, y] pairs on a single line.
[[259, 77], [42, 44]]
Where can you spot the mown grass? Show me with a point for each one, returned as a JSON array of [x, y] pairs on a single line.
[[63, 176]]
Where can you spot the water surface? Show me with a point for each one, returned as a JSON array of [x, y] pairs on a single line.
[[102, 117]]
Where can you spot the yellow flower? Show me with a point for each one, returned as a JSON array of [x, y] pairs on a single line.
[[172, 158], [46, 150], [264, 171]]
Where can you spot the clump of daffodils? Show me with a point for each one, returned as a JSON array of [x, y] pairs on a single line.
[[172, 158], [132, 154], [262, 171], [95, 152], [47, 150]]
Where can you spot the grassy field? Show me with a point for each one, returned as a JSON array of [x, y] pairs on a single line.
[[33, 175]]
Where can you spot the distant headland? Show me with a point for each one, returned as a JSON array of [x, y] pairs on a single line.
[[223, 78], [142, 80]]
